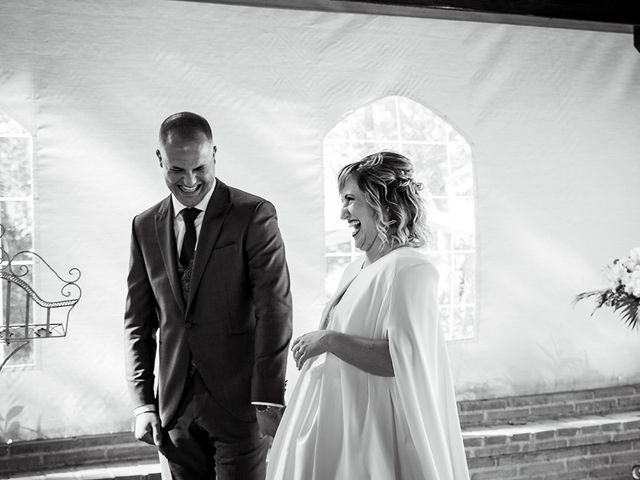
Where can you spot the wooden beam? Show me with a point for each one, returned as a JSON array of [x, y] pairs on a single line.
[[599, 15]]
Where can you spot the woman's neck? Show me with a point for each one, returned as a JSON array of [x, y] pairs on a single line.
[[376, 253]]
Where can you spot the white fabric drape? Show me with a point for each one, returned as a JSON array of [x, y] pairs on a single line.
[[344, 423]]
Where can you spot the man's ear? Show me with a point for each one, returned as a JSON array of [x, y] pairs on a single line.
[[159, 155], [215, 150]]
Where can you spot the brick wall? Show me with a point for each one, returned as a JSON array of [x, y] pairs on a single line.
[[52, 454], [563, 435], [527, 408], [566, 435]]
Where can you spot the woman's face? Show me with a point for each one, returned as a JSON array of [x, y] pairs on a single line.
[[360, 216]]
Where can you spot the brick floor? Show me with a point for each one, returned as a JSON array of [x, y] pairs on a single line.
[[124, 471]]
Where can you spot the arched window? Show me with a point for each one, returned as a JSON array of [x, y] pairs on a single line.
[[16, 215], [442, 160]]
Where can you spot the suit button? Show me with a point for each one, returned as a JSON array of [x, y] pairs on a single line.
[[188, 325]]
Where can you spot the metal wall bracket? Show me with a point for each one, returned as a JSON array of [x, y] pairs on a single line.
[[26, 315]]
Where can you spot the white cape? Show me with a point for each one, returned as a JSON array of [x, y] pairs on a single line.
[[343, 423]]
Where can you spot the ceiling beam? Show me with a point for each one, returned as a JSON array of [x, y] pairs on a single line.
[[599, 15]]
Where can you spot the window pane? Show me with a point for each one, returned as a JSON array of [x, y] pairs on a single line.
[[383, 120], [431, 166], [339, 153], [17, 299], [463, 223], [439, 240], [464, 277], [17, 221], [418, 123], [339, 241], [376, 121], [445, 322], [464, 240], [8, 126], [462, 323], [14, 300], [442, 262], [15, 167], [438, 220]]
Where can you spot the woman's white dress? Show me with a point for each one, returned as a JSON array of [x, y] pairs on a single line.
[[344, 423]]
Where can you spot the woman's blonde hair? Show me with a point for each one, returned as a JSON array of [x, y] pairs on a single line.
[[386, 180]]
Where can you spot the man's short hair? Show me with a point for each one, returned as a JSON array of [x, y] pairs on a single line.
[[185, 125]]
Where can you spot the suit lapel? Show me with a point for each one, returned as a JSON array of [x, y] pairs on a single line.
[[167, 241], [214, 217]]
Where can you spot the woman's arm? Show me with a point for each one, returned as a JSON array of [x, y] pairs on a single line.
[[367, 354]]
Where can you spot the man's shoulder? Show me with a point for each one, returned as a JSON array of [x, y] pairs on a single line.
[[238, 195], [151, 212], [243, 198]]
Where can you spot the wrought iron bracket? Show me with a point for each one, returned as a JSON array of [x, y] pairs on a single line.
[[33, 317]]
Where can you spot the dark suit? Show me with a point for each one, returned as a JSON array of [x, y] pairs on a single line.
[[235, 325]]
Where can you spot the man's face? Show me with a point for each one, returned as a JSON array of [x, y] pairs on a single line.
[[189, 167]]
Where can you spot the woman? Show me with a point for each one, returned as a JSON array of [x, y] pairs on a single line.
[[375, 397]]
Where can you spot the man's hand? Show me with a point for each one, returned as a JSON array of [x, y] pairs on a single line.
[[269, 419], [147, 428]]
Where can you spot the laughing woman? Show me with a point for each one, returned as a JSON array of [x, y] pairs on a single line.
[[375, 397]]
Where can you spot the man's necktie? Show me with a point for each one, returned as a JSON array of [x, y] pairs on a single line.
[[189, 242], [186, 260]]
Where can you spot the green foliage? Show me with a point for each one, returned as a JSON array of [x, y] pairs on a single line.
[[10, 429], [626, 305]]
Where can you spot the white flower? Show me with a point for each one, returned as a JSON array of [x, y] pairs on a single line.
[[633, 285], [628, 264], [616, 274], [634, 255]]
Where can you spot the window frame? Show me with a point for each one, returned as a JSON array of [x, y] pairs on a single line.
[[10, 128], [451, 142]]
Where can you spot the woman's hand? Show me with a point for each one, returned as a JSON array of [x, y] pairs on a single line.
[[367, 354], [310, 345]]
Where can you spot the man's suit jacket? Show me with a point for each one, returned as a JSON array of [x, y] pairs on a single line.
[[235, 324]]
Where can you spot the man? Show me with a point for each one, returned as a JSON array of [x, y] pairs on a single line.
[[208, 279]]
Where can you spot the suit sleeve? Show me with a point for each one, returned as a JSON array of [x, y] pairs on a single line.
[[140, 326], [269, 278]]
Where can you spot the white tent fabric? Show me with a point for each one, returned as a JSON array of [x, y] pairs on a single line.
[[550, 114]]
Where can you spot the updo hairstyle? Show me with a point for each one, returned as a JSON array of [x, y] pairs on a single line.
[[386, 179]]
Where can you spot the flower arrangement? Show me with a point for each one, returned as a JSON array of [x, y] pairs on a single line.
[[623, 292]]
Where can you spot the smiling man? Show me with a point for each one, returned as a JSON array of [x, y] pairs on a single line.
[[208, 289], [188, 159]]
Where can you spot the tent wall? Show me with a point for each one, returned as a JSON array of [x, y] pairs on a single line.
[[550, 114]]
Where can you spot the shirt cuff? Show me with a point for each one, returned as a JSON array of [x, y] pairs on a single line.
[[267, 404], [149, 408]]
